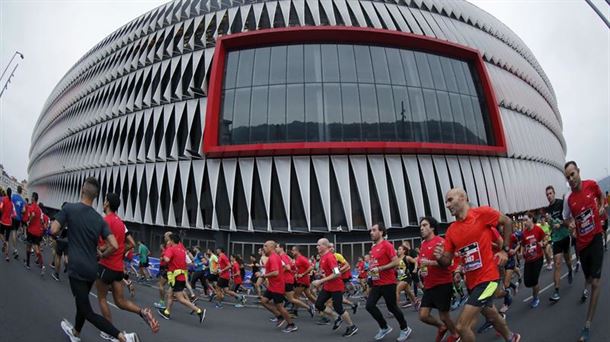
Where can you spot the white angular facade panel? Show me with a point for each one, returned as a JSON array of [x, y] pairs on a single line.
[[132, 112]]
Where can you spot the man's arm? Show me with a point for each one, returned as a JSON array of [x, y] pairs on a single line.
[[110, 246], [507, 228]]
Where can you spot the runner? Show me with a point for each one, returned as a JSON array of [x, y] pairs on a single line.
[[213, 277], [6, 221], [582, 210], [224, 271], [275, 290], [437, 281], [19, 205], [346, 277], [110, 269], [175, 257], [199, 271], [470, 236], [383, 276], [143, 264], [560, 237], [162, 275], [411, 253], [532, 243], [362, 267], [34, 218], [332, 288], [288, 274], [87, 226], [404, 278], [302, 279]]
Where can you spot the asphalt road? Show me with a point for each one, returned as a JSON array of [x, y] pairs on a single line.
[[31, 308]]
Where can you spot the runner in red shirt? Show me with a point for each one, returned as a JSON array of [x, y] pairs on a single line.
[[224, 271], [34, 219], [532, 244], [382, 270], [582, 210], [288, 273], [302, 279], [6, 221], [110, 270], [175, 256], [332, 288], [470, 237], [438, 283], [275, 290], [235, 273]]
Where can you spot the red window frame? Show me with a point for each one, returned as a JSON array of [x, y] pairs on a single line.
[[353, 35]]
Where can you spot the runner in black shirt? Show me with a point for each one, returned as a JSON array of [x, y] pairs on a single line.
[[86, 227]]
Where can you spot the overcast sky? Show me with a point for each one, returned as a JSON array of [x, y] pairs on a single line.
[[571, 43]]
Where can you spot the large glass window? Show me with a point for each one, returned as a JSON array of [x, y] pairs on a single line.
[[342, 92]]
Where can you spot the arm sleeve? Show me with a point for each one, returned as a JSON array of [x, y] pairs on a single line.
[[62, 217], [449, 246], [567, 213], [390, 250], [490, 216]]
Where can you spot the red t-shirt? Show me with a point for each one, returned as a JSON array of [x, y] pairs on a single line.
[[382, 254], [302, 265], [115, 260], [6, 217], [530, 242], [582, 206], [433, 275], [287, 274], [328, 265], [361, 270], [236, 274], [495, 238], [276, 283], [34, 215], [224, 262], [472, 240], [177, 260]]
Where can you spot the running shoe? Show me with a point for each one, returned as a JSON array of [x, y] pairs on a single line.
[[218, 306], [323, 321], [290, 328], [584, 335], [107, 337], [280, 322], [69, 330], [577, 267], [26, 266], [131, 337], [148, 317], [238, 305], [55, 276], [440, 334], [355, 308], [503, 309], [42, 270], [273, 319], [405, 304], [350, 331], [535, 302], [163, 314], [201, 316], [585, 296], [404, 334], [160, 304], [555, 297], [243, 299], [52, 265], [132, 289], [337, 323], [382, 333], [312, 310], [211, 297]]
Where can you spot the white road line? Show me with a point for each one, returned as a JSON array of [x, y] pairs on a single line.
[[109, 303]]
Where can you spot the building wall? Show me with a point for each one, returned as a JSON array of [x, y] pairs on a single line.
[[132, 113]]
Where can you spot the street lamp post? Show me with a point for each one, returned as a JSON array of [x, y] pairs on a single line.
[[11, 61], [12, 72]]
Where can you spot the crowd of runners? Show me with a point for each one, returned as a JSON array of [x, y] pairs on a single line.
[[483, 256]]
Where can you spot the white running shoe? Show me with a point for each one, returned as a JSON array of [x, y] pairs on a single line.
[[107, 337], [382, 333], [404, 334], [131, 337], [69, 330]]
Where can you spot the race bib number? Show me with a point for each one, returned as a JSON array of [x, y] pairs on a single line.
[[530, 249], [471, 257], [373, 275], [585, 222]]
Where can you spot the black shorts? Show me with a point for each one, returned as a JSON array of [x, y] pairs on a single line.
[[6, 230], [212, 277], [236, 287], [531, 272], [562, 246], [482, 294], [61, 247], [591, 258], [143, 264], [275, 297], [33, 240], [179, 285], [438, 297], [289, 287], [108, 276], [16, 224], [223, 283]]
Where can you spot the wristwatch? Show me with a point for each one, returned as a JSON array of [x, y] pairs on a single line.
[[506, 249]]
